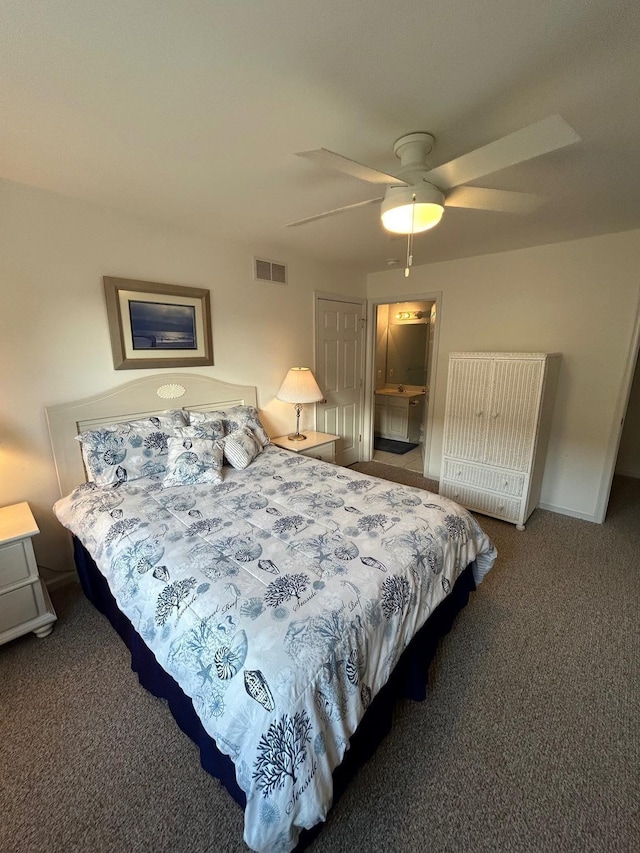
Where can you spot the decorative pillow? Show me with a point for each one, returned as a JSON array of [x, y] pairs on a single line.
[[233, 420], [241, 447], [208, 423], [126, 451], [193, 460], [206, 430], [175, 417], [248, 416]]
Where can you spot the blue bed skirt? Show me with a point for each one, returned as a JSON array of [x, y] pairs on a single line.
[[409, 680]]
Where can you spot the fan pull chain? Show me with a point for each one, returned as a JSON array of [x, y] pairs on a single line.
[[407, 269], [409, 255]]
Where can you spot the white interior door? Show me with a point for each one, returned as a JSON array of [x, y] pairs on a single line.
[[339, 371]]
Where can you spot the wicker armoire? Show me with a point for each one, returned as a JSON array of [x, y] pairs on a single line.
[[497, 423]]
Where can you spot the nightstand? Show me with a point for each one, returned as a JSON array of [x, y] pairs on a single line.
[[318, 445], [24, 601]]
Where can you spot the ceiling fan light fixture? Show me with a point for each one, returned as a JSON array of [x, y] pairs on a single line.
[[411, 210]]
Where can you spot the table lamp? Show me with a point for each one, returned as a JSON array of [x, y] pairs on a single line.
[[299, 386]]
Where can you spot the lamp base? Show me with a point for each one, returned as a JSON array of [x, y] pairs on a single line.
[[297, 436]]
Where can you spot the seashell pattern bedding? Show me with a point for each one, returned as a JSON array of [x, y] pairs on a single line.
[[280, 601]]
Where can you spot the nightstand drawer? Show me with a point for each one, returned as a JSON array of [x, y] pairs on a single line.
[[24, 602], [325, 453], [16, 563], [18, 606]]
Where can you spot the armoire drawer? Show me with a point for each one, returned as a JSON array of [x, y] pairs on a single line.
[[491, 504], [484, 478]]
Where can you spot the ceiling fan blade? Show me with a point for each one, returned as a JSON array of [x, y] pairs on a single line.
[[350, 167], [505, 201], [525, 144], [337, 210]]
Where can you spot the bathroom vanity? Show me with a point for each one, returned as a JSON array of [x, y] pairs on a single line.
[[399, 413]]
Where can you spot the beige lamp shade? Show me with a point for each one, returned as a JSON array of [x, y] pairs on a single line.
[[299, 387]]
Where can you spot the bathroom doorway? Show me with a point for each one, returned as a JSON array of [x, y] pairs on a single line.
[[403, 350]]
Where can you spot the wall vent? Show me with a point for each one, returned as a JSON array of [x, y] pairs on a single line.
[[264, 270]]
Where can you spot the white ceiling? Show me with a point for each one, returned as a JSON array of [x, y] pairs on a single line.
[[191, 111]]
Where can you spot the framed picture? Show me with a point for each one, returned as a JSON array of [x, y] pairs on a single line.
[[158, 325]]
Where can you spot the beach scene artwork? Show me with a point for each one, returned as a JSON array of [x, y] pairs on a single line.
[[161, 325]]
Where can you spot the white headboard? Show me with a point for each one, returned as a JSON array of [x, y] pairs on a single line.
[[138, 399]]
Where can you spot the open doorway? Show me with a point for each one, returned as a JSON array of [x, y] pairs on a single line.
[[623, 456], [402, 356], [625, 484]]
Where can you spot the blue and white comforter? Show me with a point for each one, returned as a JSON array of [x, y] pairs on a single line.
[[280, 601]]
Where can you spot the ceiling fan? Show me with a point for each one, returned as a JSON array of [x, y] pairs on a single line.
[[416, 196]]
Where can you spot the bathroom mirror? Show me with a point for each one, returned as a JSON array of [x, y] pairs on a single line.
[[407, 354]]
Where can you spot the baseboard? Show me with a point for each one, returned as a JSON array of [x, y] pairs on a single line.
[[58, 579], [563, 510]]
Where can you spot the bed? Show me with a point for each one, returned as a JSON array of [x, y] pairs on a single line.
[[280, 607]]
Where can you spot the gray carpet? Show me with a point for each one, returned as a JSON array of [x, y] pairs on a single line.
[[528, 740]]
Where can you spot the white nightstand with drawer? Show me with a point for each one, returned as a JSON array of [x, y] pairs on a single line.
[[318, 445], [24, 601]]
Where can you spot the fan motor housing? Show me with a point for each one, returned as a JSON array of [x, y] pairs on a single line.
[[412, 149]]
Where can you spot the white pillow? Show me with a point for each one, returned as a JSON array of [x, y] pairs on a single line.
[[241, 447]]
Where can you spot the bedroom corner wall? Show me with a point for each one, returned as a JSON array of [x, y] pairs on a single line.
[[54, 339], [578, 298]]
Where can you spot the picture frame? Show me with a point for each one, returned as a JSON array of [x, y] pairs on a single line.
[[155, 325]]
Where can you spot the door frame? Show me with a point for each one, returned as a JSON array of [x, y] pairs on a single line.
[[620, 411], [370, 381], [349, 300]]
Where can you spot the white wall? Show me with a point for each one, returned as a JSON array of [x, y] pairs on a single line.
[[628, 462], [578, 298], [54, 339]]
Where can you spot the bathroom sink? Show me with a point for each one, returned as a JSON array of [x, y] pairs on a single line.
[[394, 392]]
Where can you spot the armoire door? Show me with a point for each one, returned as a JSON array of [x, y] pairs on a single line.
[[512, 417], [468, 399]]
